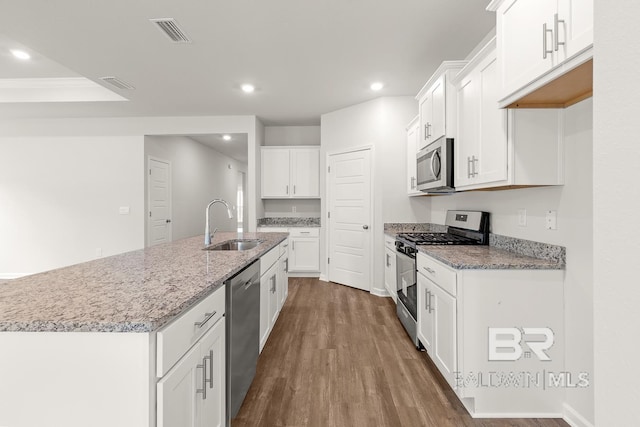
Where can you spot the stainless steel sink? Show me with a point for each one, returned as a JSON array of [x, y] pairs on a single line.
[[234, 245]]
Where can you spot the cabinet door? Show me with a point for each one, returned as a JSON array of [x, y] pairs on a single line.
[[177, 399], [273, 295], [212, 354], [283, 280], [521, 42], [438, 110], [445, 346], [466, 144], [305, 172], [304, 254], [265, 324], [390, 271], [275, 172], [425, 313], [491, 155], [577, 30], [413, 136], [426, 114]]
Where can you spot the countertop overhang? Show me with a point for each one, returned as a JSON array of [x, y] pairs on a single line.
[[138, 291]]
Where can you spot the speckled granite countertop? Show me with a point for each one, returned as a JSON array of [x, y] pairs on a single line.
[[487, 258], [289, 222], [137, 291]]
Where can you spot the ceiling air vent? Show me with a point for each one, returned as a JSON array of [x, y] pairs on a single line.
[[171, 29], [114, 81]]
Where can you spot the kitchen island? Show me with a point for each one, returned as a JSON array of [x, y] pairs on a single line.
[[78, 344]]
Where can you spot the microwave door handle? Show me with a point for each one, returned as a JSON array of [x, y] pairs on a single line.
[[433, 169]]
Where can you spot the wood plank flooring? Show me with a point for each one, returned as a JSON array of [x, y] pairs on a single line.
[[339, 357]]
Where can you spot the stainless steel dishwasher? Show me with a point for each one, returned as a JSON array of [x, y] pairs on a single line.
[[243, 334]]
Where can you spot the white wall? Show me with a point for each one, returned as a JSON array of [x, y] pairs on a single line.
[[107, 133], [287, 136], [380, 123], [573, 203], [616, 204], [199, 174], [60, 199], [292, 135]]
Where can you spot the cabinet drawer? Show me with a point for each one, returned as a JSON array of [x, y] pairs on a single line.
[[273, 230], [268, 259], [437, 273], [390, 242], [177, 337], [284, 247], [304, 232]]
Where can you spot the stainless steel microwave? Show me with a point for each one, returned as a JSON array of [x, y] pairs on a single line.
[[435, 167]]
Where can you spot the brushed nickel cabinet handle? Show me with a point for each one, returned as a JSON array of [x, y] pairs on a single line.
[[203, 390], [206, 319], [545, 51], [556, 31]]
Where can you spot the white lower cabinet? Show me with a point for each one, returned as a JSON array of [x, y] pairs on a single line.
[[274, 288], [390, 281], [303, 249], [457, 312], [192, 393]]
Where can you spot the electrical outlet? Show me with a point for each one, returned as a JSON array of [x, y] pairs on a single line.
[[522, 217], [124, 210], [552, 220], [293, 209], [99, 252]]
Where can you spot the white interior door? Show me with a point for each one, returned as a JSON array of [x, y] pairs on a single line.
[[350, 219], [159, 190]]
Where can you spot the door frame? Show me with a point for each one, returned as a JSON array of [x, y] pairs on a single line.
[[147, 228], [327, 232]]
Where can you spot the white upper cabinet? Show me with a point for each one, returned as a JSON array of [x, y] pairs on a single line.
[[481, 145], [437, 104], [497, 147], [413, 136], [290, 172], [540, 41]]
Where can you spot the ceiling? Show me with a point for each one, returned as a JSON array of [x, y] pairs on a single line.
[[236, 147], [305, 58]]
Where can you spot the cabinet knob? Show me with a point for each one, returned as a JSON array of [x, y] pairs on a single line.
[[366, 227]]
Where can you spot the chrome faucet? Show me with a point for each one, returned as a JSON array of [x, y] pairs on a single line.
[[207, 233]]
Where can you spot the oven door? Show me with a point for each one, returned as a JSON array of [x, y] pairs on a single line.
[[406, 280]]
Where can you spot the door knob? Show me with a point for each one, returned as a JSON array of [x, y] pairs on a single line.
[[366, 227]]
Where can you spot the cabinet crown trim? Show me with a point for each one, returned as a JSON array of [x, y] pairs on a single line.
[[443, 68], [494, 5], [487, 50]]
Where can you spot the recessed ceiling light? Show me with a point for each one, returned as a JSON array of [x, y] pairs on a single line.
[[376, 86], [20, 54], [226, 137], [247, 88]]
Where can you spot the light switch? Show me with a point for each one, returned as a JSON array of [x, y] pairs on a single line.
[[552, 220], [124, 210]]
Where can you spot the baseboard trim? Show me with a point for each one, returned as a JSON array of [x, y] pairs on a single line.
[[379, 292], [304, 275], [574, 418], [9, 276], [323, 278], [517, 415]]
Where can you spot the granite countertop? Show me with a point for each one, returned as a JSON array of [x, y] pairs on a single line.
[[487, 258], [137, 291], [289, 222]]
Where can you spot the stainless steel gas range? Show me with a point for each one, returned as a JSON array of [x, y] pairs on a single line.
[[463, 228]]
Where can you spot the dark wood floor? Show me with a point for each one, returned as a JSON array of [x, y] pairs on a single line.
[[339, 357]]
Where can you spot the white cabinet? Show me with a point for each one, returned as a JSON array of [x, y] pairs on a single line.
[[536, 38], [303, 249], [413, 136], [192, 392], [390, 281], [290, 172], [274, 288], [457, 309], [437, 325], [437, 104], [500, 148]]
